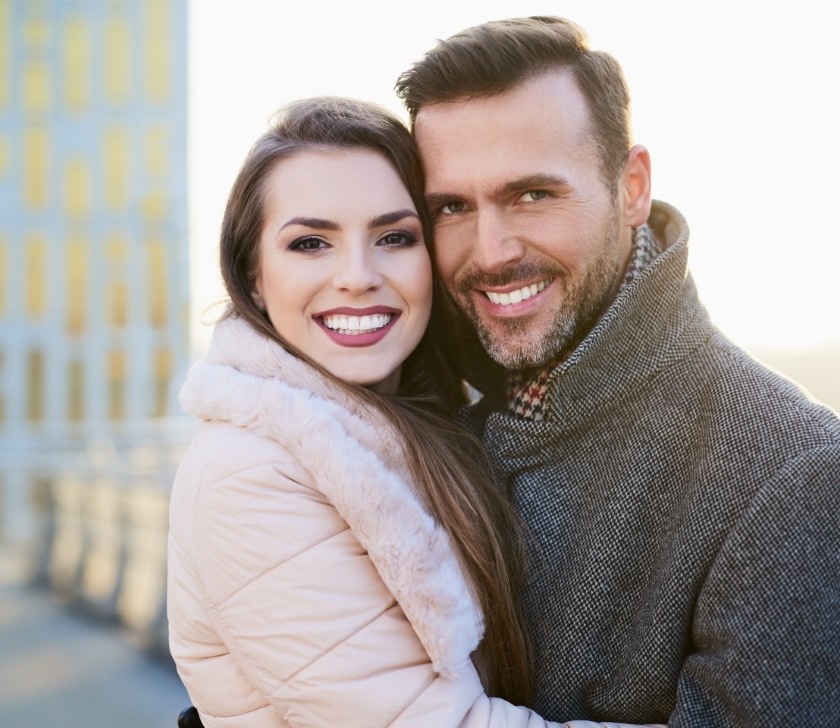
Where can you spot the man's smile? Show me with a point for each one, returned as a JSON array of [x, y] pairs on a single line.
[[517, 295]]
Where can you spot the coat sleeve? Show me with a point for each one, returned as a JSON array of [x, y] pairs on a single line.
[[767, 623]]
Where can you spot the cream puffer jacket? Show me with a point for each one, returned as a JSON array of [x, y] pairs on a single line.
[[307, 586]]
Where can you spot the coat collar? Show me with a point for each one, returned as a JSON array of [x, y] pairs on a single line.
[[639, 332], [634, 339], [355, 460]]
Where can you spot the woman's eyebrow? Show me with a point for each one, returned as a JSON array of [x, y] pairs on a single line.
[[389, 218], [312, 222]]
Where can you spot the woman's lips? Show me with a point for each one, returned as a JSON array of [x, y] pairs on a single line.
[[357, 326]]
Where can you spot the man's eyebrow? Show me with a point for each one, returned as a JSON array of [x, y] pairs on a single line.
[[437, 199], [532, 182], [521, 184], [389, 218], [313, 222]]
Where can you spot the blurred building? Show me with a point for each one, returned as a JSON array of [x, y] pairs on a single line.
[[93, 233]]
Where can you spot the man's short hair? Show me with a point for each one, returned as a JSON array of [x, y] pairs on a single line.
[[497, 56]]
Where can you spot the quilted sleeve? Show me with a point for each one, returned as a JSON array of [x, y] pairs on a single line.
[[299, 604]]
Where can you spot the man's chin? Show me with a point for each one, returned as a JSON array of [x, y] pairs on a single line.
[[522, 347], [512, 355]]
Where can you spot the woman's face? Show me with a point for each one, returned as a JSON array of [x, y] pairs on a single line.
[[344, 273]]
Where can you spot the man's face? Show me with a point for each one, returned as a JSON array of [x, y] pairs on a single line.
[[530, 242]]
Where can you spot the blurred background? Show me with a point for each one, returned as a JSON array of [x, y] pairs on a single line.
[[122, 126]]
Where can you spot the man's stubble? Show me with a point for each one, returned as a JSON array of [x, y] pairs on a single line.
[[518, 343]]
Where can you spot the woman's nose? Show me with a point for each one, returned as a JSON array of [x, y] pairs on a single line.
[[357, 271]]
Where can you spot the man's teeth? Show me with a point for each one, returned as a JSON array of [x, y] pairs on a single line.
[[505, 299], [357, 324]]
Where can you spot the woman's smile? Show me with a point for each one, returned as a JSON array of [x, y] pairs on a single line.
[[358, 327]]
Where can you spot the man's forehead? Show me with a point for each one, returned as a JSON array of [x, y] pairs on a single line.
[[552, 97], [476, 144]]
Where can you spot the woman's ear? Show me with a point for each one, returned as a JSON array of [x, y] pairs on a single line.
[[258, 299], [636, 186]]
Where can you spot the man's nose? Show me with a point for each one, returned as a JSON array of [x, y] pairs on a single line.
[[495, 244], [357, 270]]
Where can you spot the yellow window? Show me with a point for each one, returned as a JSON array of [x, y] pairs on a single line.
[[5, 153], [4, 280], [162, 368], [35, 276], [116, 64], [37, 89], [156, 256], [75, 391], [76, 65], [117, 293], [116, 384], [153, 206], [116, 252], [5, 51], [116, 144], [77, 188], [156, 152], [77, 272], [157, 22], [35, 386], [36, 156], [2, 398], [36, 31]]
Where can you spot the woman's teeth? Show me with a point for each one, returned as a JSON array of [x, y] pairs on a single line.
[[357, 324], [505, 299]]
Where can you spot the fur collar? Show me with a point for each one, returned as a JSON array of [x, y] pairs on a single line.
[[355, 460]]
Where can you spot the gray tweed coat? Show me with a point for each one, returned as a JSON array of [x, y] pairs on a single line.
[[682, 503]]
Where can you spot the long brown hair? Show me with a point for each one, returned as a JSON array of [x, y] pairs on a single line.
[[451, 473]]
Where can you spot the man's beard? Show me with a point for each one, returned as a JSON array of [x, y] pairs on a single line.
[[518, 343]]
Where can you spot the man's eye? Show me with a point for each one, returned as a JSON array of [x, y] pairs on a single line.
[[307, 245], [533, 195], [397, 239], [451, 208]]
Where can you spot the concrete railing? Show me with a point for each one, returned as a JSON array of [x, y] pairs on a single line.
[[94, 525], [105, 550]]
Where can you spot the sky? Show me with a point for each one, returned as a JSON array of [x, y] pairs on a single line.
[[737, 103]]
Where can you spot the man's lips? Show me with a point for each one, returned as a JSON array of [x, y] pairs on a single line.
[[516, 295]]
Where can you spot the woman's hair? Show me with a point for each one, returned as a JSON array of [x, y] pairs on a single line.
[[495, 57], [451, 473]]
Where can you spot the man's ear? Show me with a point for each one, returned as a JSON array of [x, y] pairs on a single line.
[[635, 186]]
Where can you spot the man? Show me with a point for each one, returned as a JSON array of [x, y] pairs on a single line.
[[681, 499]]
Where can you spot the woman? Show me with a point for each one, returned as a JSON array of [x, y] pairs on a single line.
[[337, 546]]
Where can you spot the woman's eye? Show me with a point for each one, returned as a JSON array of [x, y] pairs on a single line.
[[308, 245], [398, 239], [533, 195]]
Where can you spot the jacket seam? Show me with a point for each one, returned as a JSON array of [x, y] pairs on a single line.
[[324, 653], [273, 567], [413, 699]]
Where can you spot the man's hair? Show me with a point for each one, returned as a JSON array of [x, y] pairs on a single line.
[[495, 57]]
